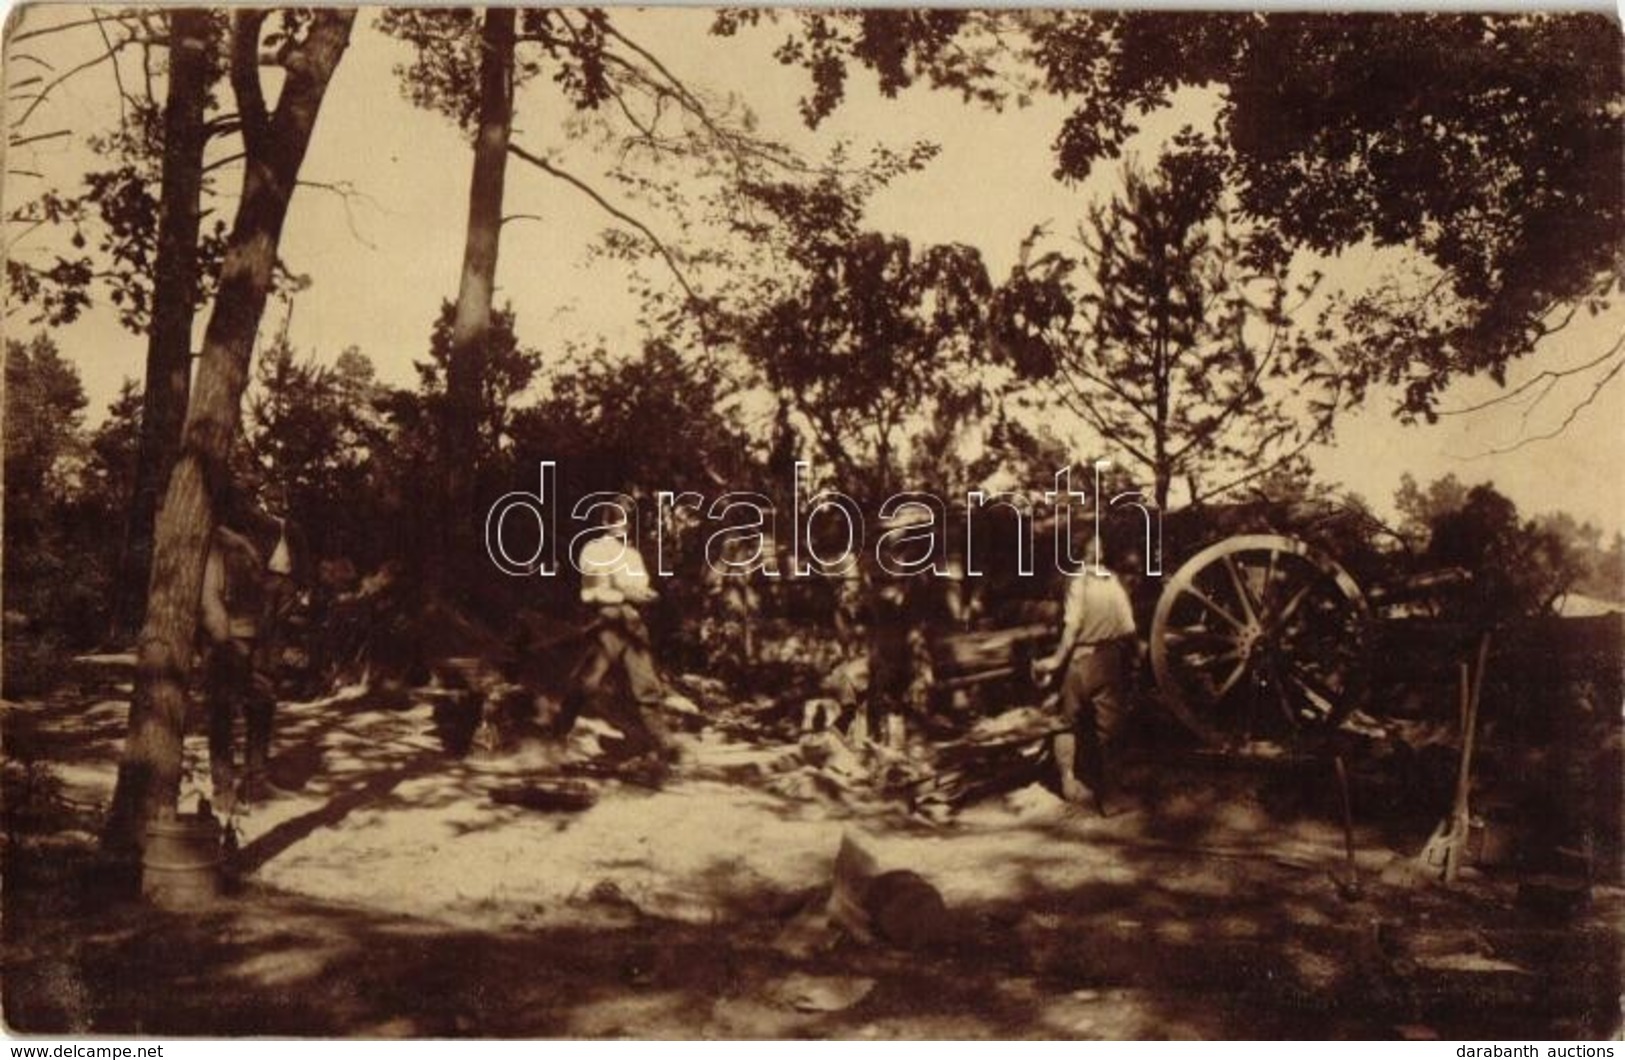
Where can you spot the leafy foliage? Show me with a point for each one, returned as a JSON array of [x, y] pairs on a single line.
[[605, 418], [510, 369], [1600, 569], [113, 220], [1490, 144], [900, 46], [1420, 507], [1520, 566], [444, 72], [868, 336], [311, 433], [64, 495], [45, 403], [1173, 337]]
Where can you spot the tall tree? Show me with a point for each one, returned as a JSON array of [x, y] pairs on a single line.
[[193, 53], [600, 413], [617, 94], [508, 370], [1420, 508], [136, 234], [1173, 337], [867, 342], [471, 321], [44, 404], [275, 141], [1601, 571]]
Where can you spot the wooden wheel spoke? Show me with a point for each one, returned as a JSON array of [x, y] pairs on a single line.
[[1289, 710], [1193, 637], [1306, 637], [1204, 663], [1315, 686], [1269, 579], [1267, 649], [1201, 659], [1214, 606], [1294, 603], [1244, 594], [1231, 681]]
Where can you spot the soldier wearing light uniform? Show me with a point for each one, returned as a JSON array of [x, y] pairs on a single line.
[[614, 584], [1096, 649]]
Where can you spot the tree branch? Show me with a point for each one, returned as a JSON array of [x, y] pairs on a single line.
[[22, 141], [1086, 411], [1234, 405], [225, 161], [45, 92], [1259, 472], [1596, 391], [736, 144], [146, 71], [346, 191], [613, 211], [118, 77], [94, 20], [245, 80], [1547, 376]]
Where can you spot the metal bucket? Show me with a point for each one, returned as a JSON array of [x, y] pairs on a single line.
[[180, 868]]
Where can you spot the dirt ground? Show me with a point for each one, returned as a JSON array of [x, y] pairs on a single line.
[[387, 893]]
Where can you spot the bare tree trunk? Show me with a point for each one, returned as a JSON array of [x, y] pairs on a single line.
[[471, 326], [174, 291], [275, 144]]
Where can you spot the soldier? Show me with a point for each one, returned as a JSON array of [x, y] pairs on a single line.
[[614, 584], [1095, 650], [236, 671]]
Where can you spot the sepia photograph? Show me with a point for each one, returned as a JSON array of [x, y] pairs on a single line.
[[893, 523]]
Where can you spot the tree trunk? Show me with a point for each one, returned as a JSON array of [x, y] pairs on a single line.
[[275, 143], [174, 290], [471, 326]]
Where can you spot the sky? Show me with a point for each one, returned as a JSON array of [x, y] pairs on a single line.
[[382, 259]]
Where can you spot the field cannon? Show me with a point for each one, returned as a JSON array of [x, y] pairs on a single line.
[[1259, 639]]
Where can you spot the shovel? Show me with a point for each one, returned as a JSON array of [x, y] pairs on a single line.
[[1447, 846], [1347, 884]]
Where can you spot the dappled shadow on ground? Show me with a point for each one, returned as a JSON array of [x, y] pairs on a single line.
[[280, 965], [1164, 951], [387, 894], [75, 729]]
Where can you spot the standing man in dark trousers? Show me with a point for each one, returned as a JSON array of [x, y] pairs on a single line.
[[614, 584], [1096, 649], [237, 674]]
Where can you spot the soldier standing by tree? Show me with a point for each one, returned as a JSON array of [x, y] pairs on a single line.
[[235, 615]]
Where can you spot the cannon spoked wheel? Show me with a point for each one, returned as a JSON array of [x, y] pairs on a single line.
[[1258, 643]]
